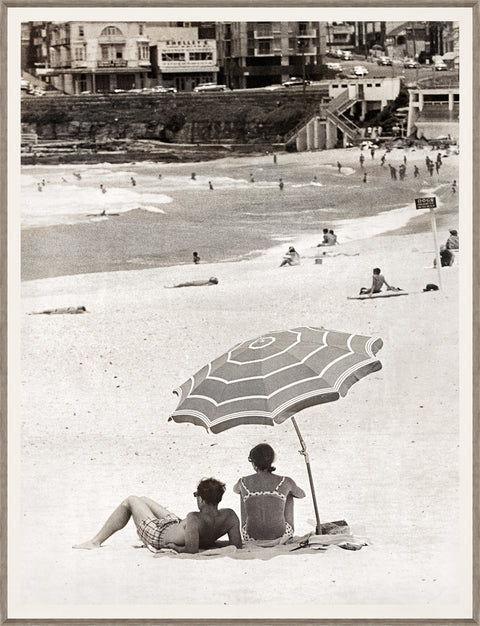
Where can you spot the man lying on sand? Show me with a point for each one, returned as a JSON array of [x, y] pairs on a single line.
[[69, 309], [158, 528], [194, 283]]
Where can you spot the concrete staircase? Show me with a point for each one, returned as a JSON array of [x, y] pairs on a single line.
[[335, 117], [319, 127]]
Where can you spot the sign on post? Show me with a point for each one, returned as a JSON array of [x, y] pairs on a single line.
[[430, 202], [426, 203]]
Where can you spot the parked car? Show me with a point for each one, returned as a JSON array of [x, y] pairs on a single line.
[[440, 66], [294, 82], [409, 63], [162, 89], [336, 67], [206, 87], [360, 70], [384, 61], [346, 55]]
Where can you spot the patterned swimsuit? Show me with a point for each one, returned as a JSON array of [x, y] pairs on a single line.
[[288, 532]]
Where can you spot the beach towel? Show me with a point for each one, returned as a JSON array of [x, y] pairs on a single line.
[[306, 544]]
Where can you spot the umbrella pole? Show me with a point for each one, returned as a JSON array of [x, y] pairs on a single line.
[[303, 451]]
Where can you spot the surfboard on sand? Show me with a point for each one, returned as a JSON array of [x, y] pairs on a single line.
[[383, 294]]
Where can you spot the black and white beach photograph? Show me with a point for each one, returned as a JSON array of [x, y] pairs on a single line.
[[240, 312]]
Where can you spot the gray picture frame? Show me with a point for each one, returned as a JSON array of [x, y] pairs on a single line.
[[5, 307]]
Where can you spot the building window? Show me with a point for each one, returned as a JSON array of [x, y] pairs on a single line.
[[144, 52], [80, 54], [110, 53], [334, 86], [173, 56], [264, 47], [140, 29], [81, 32], [369, 85], [111, 30], [292, 43], [201, 56], [378, 84], [264, 29]]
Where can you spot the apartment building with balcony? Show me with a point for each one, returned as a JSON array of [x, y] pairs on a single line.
[[180, 57], [94, 56], [258, 54], [340, 36]]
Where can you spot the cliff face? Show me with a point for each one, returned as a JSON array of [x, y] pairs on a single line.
[[180, 118]]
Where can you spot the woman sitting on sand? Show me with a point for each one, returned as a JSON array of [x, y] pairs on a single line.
[[266, 499], [291, 258]]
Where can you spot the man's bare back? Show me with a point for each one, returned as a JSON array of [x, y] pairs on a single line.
[[200, 529]]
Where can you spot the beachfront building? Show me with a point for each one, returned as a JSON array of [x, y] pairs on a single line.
[[406, 39], [340, 36], [91, 56], [367, 35], [181, 55], [259, 54], [423, 41], [433, 109]]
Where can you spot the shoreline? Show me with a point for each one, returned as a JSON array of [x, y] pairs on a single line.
[[153, 240]]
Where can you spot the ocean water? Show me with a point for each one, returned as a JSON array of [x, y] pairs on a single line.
[[166, 215]]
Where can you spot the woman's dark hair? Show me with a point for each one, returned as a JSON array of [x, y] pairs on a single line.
[[262, 457], [211, 490]]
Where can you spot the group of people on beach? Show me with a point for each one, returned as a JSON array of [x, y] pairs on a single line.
[[446, 253], [266, 513], [329, 238]]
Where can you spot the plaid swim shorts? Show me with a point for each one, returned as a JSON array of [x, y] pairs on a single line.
[[151, 530]]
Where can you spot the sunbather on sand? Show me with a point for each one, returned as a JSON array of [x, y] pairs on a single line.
[[266, 499], [68, 309], [158, 528], [378, 280], [195, 283]]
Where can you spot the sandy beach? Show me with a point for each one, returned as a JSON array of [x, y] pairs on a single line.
[[96, 394]]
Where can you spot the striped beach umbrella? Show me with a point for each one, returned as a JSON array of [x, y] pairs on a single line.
[[268, 379]]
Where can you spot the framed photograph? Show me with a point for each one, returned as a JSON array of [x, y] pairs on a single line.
[[216, 220]]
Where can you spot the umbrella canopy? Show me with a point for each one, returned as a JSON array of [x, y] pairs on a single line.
[[268, 379]]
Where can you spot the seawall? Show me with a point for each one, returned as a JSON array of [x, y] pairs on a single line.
[[229, 117]]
